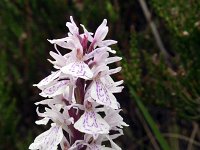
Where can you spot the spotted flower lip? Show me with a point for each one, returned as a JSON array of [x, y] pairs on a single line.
[[102, 95], [92, 123], [79, 93], [78, 69]]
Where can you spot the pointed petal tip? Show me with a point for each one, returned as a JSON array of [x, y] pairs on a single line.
[[51, 41], [105, 21], [71, 18], [113, 51]]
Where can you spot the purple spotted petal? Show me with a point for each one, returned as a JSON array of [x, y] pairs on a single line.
[[55, 89], [49, 139], [102, 96], [92, 123], [78, 69], [48, 79]]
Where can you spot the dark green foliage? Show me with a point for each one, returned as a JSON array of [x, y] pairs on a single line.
[[181, 84], [169, 89], [8, 120], [24, 28]]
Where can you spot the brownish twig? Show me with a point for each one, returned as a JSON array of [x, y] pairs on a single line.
[[168, 135], [192, 137], [148, 131], [155, 32]]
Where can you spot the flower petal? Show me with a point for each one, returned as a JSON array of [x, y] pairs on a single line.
[[72, 26], [59, 59], [113, 71], [114, 119], [78, 69], [96, 52], [102, 34], [88, 34], [48, 79], [113, 59], [54, 41], [101, 31], [55, 89], [43, 121], [92, 123], [49, 139], [103, 96], [106, 43]]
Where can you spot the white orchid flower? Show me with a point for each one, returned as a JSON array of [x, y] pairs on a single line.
[[79, 93]]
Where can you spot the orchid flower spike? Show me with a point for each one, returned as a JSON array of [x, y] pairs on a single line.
[[80, 102]]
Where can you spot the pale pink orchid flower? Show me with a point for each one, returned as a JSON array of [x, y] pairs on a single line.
[[80, 103]]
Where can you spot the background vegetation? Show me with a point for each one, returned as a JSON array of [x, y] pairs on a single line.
[[161, 59]]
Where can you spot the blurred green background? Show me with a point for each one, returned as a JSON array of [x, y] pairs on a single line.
[[161, 99]]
